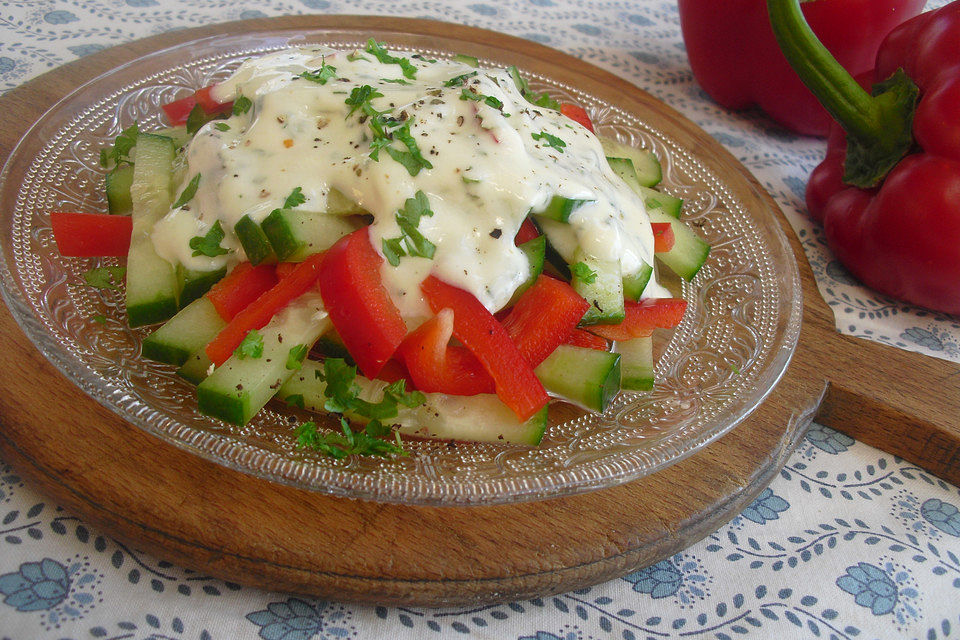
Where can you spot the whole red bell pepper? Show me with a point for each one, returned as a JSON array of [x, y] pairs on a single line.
[[888, 193], [735, 57]]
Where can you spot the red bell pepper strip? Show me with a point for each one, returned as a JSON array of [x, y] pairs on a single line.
[[285, 268], [543, 317], [526, 232], [581, 338], [735, 57], [359, 305], [893, 221], [210, 106], [663, 238], [435, 365], [259, 312], [178, 111], [244, 284], [91, 234], [474, 326], [641, 318], [578, 114]]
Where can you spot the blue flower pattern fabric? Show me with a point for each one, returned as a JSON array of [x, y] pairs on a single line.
[[848, 542]]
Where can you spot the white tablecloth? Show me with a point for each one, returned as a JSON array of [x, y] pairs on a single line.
[[848, 542]]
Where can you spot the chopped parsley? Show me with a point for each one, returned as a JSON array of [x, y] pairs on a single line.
[[241, 105], [196, 119], [459, 81], [583, 273], [222, 126], [411, 242], [104, 277], [251, 346], [321, 75], [295, 199], [122, 144], [360, 98], [551, 140], [188, 192], [356, 55], [209, 245], [366, 442], [496, 103], [381, 54], [295, 356], [100, 318], [531, 96]]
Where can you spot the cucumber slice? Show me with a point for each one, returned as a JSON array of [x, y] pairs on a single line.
[[340, 205], [197, 367], [479, 418], [634, 284], [254, 241], [587, 377], [195, 283], [184, 334], [653, 199], [294, 235], [118, 183], [240, 387], [689, 251], [535, 250], [644, 166], [470, 61], [559, 208], [152, 285], [636, 363], [603, 288]]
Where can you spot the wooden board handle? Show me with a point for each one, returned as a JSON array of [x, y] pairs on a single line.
[[896, 401]]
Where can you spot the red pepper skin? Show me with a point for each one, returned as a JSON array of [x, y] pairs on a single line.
[[435, 365], [736, 60], [91, 234], [526, 232], [663, 238], [587, 340], [240, 287], [543, 317], [259, 312], [178, 111], [903, 238], [641, 318], [359, 305], [577, 113], [474, 326]]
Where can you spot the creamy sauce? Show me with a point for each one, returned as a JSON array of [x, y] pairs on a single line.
[[495, 157]]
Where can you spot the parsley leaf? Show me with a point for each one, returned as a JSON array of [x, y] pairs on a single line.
[[295, 356], [342, 393], [381, 54], [251, 346], [196, 119], [321, 75], [541, 100], [122, 145], [460, 80], [209, 245], [104, 277], [340, 445], [295, 199], [551, 140], [222, 126], [188, 192], [411, 242], [354, 56], [492, 101], [583, 272], [360, 98], [241, 105], [412, 159]]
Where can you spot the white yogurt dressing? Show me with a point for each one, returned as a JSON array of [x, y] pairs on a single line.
[[491, 165]]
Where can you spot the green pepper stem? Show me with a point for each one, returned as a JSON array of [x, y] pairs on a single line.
[[879, 126]]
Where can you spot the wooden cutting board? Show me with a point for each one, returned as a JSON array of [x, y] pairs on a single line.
[[244, 529]]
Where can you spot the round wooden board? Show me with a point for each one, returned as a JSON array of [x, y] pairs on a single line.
[[228, 524]]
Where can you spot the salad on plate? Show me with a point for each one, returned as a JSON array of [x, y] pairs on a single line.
[[422, 246]]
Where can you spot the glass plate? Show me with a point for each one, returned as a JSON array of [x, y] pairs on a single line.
[[733, 345]]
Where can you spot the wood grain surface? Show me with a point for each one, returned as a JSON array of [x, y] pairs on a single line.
[[228, 524]]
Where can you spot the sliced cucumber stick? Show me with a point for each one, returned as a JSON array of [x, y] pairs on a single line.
[[689, 251], [480, 418], [587, 377], [185, 333], [601, 284], [636, 363]]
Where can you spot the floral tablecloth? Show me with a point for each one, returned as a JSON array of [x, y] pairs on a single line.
[[848, 542]]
